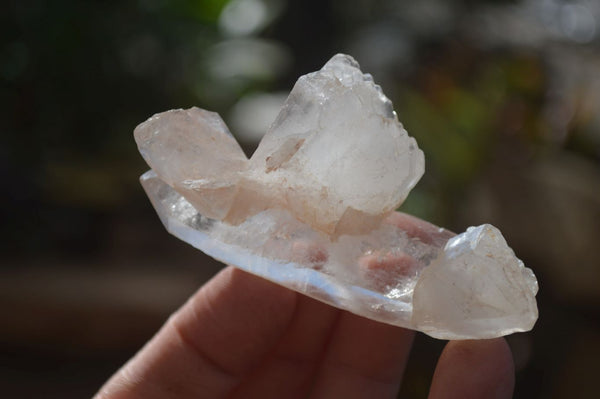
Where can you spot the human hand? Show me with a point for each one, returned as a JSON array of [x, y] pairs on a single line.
[[241, 336]]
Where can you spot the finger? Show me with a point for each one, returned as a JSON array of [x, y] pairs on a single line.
[[312, 254], [207, 347], [289, 370], [474, 369], [426, 232], [384, 270], [365, 359]]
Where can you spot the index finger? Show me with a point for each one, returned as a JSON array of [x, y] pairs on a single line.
[[207, 347]]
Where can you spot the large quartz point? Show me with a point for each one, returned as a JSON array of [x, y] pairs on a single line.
[[312, 210]]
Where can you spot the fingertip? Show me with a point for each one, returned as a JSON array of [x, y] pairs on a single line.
[[474, 369], [418, 228]]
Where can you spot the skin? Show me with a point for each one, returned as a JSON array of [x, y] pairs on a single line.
[[240, 336]]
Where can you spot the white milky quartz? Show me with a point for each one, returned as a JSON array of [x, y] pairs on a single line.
[[312, 210]]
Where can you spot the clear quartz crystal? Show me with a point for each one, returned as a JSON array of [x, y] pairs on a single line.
[[312, 210]]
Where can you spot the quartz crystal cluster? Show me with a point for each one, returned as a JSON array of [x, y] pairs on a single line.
[[312, 209]]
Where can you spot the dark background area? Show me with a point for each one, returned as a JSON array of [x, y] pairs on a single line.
[[502, 96]]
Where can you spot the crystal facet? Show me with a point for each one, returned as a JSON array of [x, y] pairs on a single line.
[[312, 210]]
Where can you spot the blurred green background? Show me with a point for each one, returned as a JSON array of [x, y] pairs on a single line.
[[502, 96]]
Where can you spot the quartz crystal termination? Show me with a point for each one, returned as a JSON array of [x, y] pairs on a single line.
[[322, 159], [312, 210]]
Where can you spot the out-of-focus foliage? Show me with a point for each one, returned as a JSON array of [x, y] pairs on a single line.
[[503, 97]]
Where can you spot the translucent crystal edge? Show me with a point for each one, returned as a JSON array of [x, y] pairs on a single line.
[[294, 276], [284, 273]]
